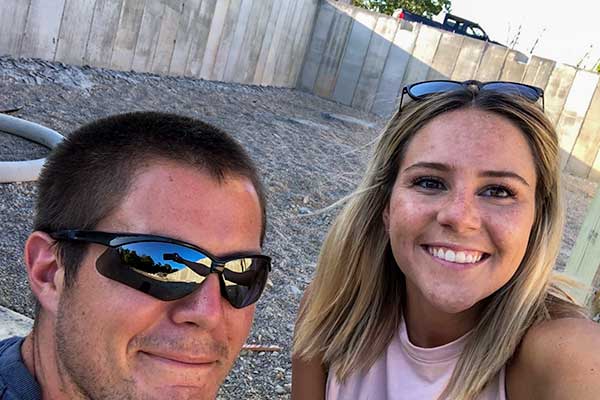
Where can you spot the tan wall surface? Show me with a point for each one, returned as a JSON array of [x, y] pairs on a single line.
[[247, 41], [364, 59]]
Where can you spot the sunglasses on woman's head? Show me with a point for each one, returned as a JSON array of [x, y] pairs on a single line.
[[169, 269], [422, 90]]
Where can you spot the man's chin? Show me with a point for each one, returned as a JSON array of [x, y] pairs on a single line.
[[160, 378], [175, 392]]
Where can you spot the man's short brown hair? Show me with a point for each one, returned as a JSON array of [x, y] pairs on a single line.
[[87, 176]]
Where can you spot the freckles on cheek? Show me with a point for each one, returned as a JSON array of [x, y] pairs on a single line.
[[512, 230]]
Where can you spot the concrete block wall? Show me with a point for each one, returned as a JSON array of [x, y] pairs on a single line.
[[363, 59], [247, 41]]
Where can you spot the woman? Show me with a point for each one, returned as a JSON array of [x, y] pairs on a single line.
[[435, 281]]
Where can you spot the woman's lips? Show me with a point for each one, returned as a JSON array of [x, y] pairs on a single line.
[[456, 256]]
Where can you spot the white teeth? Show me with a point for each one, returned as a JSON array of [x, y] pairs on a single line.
[[460, 257]]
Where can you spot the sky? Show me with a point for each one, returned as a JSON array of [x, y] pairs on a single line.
[[566, 29]]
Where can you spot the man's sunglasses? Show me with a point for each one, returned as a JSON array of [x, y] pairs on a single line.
[[422, 90], [169, 269]]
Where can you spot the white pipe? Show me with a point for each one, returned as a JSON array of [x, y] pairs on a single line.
[[22, 171]]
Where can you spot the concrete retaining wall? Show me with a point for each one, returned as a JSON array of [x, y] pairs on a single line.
[[248, 41], [363, 59]]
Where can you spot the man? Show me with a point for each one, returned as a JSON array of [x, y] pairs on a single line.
[[145, 262]]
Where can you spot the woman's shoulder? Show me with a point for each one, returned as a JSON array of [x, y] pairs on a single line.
[[557, 359]]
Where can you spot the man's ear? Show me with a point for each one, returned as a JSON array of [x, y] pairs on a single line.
[[46, 276]]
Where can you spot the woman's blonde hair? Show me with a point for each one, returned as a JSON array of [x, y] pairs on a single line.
[[354, 304]]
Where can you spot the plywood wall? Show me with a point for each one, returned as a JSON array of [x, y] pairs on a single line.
[[248, 41]]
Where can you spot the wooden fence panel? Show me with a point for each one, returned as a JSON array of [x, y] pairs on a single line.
[[13, 20], [165, 44], [75, 31], [103, 31], [42, 29], [148, 36], [127, 34]]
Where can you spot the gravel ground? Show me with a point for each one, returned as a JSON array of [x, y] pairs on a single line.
[[310, 151]]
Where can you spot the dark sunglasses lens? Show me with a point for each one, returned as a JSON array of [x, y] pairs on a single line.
[[424, 89], [244, 280], [170, 271], [163, 270], [515, 89]]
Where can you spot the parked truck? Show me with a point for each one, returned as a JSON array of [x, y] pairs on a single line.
[[451, 23]]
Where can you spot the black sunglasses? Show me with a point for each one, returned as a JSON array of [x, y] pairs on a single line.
[[421, 90], [169, 269]]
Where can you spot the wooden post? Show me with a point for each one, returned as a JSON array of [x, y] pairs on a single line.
[[584, 261]]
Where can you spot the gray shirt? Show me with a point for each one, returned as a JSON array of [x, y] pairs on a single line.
[[16, 383]]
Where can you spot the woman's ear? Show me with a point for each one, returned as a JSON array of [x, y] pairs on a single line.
[[46, 276], [386, 217]]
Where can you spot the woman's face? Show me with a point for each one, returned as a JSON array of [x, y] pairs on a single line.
[[461, 209]]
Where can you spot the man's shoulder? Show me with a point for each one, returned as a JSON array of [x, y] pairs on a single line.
[[10, 351], [16, 383]]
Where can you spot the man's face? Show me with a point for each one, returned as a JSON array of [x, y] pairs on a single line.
[[115, 342]]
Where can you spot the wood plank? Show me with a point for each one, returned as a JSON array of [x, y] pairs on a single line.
[[213, 42], [422, 56], [276, 43], [202, 31], [491, 63], [446, 56], [301, 41], [103, 30], [148, 36], [586, 147], [316, 47], [574, 111], [354, 55], [538, 71], [42, 29], [74, 31], [285, 59], [584, 261], [514, 67], [468, 59], [228, 31], [165, 46], [266, 43], [186, 32], [237, 40], [388, 92], [13, 20], [368, 82], [557, 91], [334, 51], [127, 34], [253, 40]]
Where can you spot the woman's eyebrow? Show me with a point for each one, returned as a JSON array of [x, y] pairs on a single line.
[[505, 174], [490, 173]]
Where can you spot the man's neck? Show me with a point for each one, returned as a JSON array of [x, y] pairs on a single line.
[[39, 355]]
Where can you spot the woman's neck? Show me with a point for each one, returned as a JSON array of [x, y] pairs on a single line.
[[428, 326]]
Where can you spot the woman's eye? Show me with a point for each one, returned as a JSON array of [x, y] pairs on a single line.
[[498, 191], [429, 183]]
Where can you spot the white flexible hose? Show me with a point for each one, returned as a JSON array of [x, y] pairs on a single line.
[[22, 171]]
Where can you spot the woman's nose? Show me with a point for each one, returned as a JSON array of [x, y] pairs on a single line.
[[460, 212]]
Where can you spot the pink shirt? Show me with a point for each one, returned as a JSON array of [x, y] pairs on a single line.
[[408, 372]]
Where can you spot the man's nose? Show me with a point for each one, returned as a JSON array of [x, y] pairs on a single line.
[[203, 308], [460, 212]]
